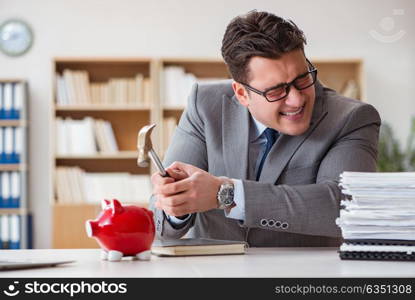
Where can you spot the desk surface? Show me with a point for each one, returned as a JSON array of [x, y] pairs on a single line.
[[257, 262]]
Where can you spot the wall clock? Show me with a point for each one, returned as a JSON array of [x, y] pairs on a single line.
[[16, 37]]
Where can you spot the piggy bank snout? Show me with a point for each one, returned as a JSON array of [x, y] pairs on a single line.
[[91, 228]]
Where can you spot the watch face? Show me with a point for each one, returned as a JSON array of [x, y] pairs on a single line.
[[226, 195], [228, 201], [15, 37]]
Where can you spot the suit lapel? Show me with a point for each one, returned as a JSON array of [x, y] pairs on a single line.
[[285, 147], [235, 137]]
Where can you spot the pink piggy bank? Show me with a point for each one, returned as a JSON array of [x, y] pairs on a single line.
[[122, 231]]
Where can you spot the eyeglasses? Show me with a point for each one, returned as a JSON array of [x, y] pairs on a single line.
[[282, 90]]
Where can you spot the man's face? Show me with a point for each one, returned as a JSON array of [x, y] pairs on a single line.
[[290, 115]]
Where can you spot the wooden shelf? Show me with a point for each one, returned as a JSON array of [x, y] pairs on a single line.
[[12, 211], [11, 80], [13, 167], [173, 113], [347, 60], [174, 108], [101, 69], [120, 155], [107, 60], [336, 72], [20, 123], [200, 67], [109, 107], [105, 165]]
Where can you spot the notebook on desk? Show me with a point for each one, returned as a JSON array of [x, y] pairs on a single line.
[[199, 246]]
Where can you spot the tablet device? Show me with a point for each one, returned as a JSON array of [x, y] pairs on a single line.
[[6, 265]]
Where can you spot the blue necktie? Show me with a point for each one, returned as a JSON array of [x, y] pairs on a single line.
[[271, 136]]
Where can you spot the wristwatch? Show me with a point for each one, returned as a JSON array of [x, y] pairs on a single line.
[[225, 195]]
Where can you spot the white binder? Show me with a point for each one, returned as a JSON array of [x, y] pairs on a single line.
[[1, 97], [15, 188], [1, 143], [5, 230], [19, 95], [7, 98], [14, 231], [18, 141], [5, 188], [8, 141]]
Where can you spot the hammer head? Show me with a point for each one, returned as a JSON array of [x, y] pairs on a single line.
[[144, 145]]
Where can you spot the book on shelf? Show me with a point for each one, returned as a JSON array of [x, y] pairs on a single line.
[[10, 231], [87, 136], [169, 126], [147, 92], [10, 189], [74, 185], [197, 246], [73, 87], [351, 89], [109, 138], [11, 144], [377, 218], [177, 84], [12, 96]]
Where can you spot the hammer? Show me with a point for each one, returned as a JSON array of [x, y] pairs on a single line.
[[145, 150]]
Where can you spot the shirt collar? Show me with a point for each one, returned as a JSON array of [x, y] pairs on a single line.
[[257, 129]]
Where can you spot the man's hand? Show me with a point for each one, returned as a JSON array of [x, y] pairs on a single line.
[[188, 190]]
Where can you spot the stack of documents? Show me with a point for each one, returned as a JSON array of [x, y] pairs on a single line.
[[377, 219]]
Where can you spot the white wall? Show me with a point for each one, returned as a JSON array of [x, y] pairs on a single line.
[[195, 28]]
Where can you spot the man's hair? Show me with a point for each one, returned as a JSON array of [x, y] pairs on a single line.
[[258, 34]]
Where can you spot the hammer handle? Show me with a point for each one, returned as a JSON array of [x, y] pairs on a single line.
[[156, 160]]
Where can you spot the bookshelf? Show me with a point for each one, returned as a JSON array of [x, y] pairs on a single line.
[[337, 73], [198, 69], [125, 117], [15, 219], [161, 108]]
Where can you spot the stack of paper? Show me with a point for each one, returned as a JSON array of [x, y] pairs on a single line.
[[378, 218]]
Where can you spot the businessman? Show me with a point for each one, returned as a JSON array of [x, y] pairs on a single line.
[[258, 158]]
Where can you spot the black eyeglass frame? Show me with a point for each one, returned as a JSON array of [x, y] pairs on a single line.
[[287, 85]]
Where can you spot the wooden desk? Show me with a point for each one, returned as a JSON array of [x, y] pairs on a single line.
[[257, 262]]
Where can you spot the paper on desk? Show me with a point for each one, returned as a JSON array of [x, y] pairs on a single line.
[[382, 205]]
